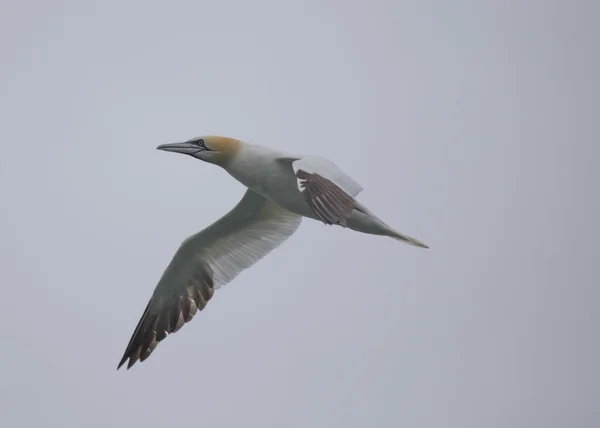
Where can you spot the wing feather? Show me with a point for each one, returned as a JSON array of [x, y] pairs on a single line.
[[328, 191], [328, 170], [206, 261], [330, 203]]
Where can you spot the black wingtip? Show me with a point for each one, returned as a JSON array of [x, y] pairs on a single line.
[[153, 328], [129, 350], [124, 360]]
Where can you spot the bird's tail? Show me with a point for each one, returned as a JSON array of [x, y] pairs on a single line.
[[370, 223], [406, 239]]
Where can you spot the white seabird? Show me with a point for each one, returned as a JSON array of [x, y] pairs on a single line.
[[282, 188]]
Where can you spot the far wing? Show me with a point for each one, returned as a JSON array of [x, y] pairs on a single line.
[[328, 191], [204, 262], [328, 170]]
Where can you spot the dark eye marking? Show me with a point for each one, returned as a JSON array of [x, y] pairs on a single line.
[[199, 143]]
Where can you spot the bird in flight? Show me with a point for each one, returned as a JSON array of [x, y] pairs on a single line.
[[281, 190]]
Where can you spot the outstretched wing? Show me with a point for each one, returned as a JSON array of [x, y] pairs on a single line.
[[328, 191], [204, 262]]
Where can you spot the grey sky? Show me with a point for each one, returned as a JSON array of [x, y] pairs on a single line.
[[472, 126]]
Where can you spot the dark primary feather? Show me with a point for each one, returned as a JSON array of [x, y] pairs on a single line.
[[154, 327], [330, 203]]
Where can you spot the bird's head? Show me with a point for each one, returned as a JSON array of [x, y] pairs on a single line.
[[210, 148]]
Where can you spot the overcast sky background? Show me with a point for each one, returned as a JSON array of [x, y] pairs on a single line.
[[471, 125]]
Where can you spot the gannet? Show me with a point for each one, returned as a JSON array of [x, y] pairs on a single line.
[[281, 190]]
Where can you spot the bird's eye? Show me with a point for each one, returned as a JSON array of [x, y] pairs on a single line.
[[200, 142]]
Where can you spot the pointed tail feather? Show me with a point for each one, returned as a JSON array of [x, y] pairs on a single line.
[[407, 239]]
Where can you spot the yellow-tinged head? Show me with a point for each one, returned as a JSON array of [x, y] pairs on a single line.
[[209, 148]]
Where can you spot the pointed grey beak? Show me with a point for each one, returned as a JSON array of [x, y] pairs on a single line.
[[184, 148]]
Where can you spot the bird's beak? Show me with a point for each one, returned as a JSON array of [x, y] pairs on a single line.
[[184, 148]]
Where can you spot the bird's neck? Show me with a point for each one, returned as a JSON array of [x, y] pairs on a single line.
[[252, 165]]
